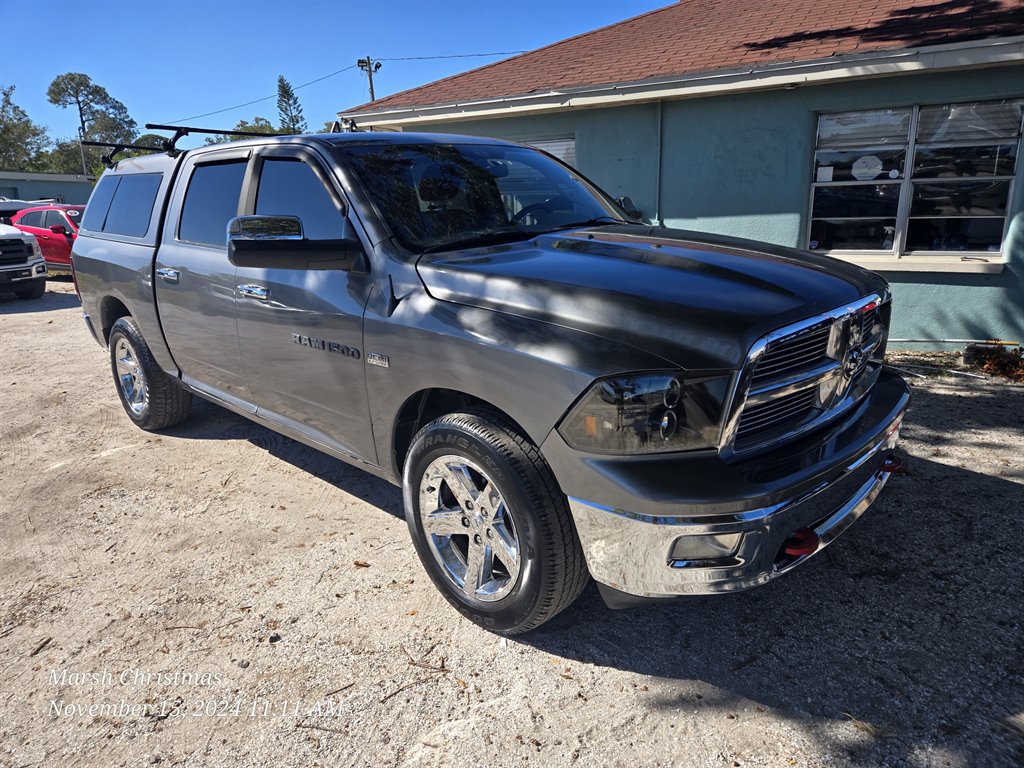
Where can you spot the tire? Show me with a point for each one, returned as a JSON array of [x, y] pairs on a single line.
[[505, 502], [151, 398], [35, 292]]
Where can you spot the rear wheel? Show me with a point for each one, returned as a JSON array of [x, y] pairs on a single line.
[[151, 398], [35, 292], [490, 524]]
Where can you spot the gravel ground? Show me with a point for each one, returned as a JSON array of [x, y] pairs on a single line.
[[218, 595]]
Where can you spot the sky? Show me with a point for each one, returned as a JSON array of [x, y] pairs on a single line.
[[173, 61]]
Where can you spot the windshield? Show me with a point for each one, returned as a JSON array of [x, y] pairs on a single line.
[[437, 195]]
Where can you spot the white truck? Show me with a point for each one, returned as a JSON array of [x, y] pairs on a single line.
[[22, 268]]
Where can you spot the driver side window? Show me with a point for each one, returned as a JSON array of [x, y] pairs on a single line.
[[56, 217], [291, 188]]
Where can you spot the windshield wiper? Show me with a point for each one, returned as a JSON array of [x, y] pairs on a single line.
[[590, 223], [488, 237]]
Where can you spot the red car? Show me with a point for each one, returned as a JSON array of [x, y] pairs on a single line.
[[55, 227]]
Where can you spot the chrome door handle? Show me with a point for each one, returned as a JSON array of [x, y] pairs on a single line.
[[169, 275], [254, 292]]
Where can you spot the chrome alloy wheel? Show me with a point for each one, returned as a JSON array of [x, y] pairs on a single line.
[[469, 528], [130, 376]]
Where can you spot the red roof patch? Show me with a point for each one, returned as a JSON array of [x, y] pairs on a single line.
[[707, 35]]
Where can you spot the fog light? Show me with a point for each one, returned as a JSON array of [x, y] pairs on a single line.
[[712, 546], [40, 268]]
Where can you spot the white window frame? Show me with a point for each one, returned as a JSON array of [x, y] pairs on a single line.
[[550, 143], [898, 259]]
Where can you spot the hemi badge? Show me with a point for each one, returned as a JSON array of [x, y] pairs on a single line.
[[374, 359]]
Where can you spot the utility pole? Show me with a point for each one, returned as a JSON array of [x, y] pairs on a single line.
[[369, 66], [81, 138], [81, 149]]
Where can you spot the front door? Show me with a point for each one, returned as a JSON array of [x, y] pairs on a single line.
[[300, 330], [195, 282], [60, 254]]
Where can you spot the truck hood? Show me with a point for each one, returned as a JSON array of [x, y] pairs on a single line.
[[8, 232], [699, 301]]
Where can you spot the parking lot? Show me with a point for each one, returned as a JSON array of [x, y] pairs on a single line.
[[220, 595]]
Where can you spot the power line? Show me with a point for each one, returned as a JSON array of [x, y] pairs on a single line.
[[346, 69], [338, 72], [257, 101]]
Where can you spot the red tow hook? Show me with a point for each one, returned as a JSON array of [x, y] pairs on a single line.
[[804, 541], [894, 465]]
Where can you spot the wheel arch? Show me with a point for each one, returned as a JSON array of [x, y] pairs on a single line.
[[424, 406], [111, 310]]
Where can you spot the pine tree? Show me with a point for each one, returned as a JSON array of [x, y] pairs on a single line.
[[288, 108]]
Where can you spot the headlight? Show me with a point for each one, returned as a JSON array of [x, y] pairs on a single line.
[[36, 250], [648, 413]]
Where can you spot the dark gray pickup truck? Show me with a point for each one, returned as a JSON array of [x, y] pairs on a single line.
[[562, 392]]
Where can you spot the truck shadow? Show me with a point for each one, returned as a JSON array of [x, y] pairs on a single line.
[[911, 622], [211, 422], [12, 305]]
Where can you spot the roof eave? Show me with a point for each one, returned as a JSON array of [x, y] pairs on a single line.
[[935, 58]]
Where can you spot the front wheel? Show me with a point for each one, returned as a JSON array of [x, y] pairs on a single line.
[[151, 398], [490, 524]]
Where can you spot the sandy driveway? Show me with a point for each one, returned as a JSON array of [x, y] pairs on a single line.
[[199, 598]]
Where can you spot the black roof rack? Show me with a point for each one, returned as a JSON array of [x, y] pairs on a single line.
[[108, 158], [181, 131], [166, 145]]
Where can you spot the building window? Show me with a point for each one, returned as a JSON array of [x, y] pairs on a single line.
[[932, 180], [562, 148]]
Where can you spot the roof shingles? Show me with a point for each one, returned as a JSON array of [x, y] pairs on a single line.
[[707, 35]]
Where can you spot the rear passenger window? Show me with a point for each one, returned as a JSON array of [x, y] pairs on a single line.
[[291, 188], [123, 205], [99, 203], [32, 219], [211, 201], [132, 206]]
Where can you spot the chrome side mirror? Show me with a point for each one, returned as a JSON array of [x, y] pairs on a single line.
[[265, 228], [277, 242]]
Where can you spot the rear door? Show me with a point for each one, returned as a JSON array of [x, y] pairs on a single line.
[[300, 330], [195, 282]]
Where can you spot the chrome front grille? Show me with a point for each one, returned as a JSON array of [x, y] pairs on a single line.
[[14, 251], [804, 375], [762, 419], [792, 354], [872, 322]]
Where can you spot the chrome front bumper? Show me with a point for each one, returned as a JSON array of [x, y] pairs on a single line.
[[638, 553], [16, 273]]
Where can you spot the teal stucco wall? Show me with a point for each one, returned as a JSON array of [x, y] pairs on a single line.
[[742, 165]]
